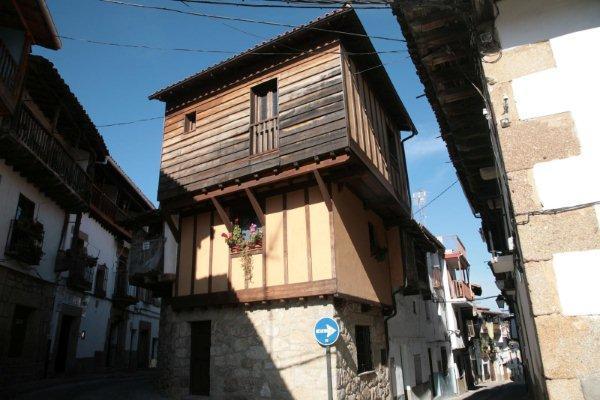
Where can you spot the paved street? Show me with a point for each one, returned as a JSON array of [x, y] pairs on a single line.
[[121, 387], [507, 391]]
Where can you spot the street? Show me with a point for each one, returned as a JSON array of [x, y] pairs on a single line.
[[122, 387], [140, 386]]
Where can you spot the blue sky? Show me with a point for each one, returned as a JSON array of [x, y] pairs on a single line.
[[113, 84]]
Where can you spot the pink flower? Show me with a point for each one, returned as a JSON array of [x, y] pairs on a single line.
[[252, 228]]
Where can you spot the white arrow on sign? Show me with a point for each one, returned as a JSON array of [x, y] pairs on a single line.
[[329, 330]]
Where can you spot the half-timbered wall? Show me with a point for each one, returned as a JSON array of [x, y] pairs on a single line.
[[311, 121], [297, 248], [372, 132]]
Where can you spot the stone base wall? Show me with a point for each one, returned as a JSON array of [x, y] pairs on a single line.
[[268, 351], [21, 289]]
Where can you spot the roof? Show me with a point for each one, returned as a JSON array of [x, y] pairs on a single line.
[[48, 90], [35, 16], [441, 47], [136, 190], [341, 25]]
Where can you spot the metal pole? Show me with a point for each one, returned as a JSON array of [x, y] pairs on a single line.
[[329, 379]]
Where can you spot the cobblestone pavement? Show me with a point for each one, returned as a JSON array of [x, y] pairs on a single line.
[[129, 387], [494, 391]]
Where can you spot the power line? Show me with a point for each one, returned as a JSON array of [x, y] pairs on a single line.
[[129, 122], [438, 196], [287, 4], [248, 20], [215, 51]]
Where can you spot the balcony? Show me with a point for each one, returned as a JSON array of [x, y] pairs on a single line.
[[461, 290], [110, 214], [124, 294], [25, 239], [26, 144], [9, 80], [264, 135], [80, 267]]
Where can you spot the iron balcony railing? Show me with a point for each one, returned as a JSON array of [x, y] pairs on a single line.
[[9, 68], [80, 266], [30, 133], [264, 135], [25, 240]]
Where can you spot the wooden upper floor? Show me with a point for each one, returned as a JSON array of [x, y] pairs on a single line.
[[22, 24], [257, 115]]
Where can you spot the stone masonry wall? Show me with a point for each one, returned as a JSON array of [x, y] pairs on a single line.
[[21, 289], [267, 351], [549, 153]]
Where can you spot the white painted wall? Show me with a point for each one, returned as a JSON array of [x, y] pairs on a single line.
[[573, 31], [47, 212]]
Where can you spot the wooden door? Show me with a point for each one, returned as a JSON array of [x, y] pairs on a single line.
[[143, 348], [200, 358]]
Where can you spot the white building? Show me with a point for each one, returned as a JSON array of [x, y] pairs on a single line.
[[65, 302]]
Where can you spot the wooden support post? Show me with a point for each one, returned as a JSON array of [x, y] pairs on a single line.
[[222, 214], [256, 206], [171, 224], [323, 188]]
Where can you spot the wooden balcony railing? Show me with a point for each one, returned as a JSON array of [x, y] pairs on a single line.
[[264, 135], [101, 202], [462, 290], [30, 133], [8, 68]]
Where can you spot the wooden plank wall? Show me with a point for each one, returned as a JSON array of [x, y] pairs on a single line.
[[311, 122], [368, 125], [297, 247]]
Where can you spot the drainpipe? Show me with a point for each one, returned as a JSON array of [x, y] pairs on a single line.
[[413, 134], [387, 337]]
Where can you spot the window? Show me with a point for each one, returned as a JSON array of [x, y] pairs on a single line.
[[100, 285], [189, 122], [418, 370], [18, 330], [364, 359], [264, 128], [444, 357], [243, 215], [264, 101], [25, 209]]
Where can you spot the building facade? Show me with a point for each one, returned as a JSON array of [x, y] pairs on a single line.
[[285, 184], [63, 246], [528, 163]]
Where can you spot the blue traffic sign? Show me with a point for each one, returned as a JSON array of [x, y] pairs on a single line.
[[327, 331]]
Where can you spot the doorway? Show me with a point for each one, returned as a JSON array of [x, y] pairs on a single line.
[[143, 348], [200, 358], [62, 350]]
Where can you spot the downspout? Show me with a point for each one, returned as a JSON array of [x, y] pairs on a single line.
[[387, 337]]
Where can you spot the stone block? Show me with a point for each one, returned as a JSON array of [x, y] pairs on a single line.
[[522, 191], [591, 387], [542, 288], [520, 61], [543, 235], [568, 345], [564, 389]]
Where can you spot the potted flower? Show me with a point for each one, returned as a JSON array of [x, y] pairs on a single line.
[[242, 242]]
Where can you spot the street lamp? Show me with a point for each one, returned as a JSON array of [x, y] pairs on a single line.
[[500, 301]]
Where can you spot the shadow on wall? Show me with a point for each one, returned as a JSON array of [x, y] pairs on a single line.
[[240, 351]]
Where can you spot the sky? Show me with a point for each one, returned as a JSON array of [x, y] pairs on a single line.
[[113, 84]]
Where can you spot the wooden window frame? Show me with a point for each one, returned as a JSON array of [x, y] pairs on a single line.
[[264, 126], [189, 122]]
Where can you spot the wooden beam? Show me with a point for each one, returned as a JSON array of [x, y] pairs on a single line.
[[222, 214], [168, 218], [256, 206], [323, 188]]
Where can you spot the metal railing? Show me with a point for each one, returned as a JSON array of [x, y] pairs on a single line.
[[264, 135], [31, 133], [25, 240], [9, 68]]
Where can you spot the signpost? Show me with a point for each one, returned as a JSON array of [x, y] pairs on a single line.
[[327, 332]]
